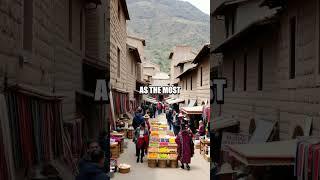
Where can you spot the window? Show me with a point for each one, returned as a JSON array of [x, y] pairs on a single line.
[[182, 85], [132, 66], [201, 76], [186, 83], [181, 68], [81, 29], [136, 71], [28, 25], [70, 20], [118, 56], [191, 83], [104, 26], [260, 70], [292, 48], [233, 75], [230, 24], [245, 72], [227, 26], [119, 11], [233, 19]]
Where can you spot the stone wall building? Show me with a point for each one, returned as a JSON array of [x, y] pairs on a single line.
[[180, 54], [271, 62], [46, 52], [134, 68], [149, 70], [118, 55], [160, 79], [195, 77]]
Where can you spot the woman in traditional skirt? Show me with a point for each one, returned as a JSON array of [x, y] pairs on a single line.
[[185, 146]]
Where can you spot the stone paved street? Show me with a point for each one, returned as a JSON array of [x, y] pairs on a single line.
[[200, 168]]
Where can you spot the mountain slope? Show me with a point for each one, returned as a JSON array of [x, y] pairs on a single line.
[[166, 23]]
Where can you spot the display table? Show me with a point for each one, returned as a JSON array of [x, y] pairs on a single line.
[[162, 149], [203, 143], [114, 150]]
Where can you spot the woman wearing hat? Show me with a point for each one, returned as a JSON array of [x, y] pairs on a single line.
[[185, 146], [146, 120]]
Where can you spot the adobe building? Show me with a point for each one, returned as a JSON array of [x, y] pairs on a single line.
[[118, 56], [50, 52], [149, 70], [180, 54], [271, 61], [135, 55], [194, 78]]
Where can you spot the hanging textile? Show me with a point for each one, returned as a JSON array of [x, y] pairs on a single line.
[[36, 128], [307, 159], [74, 136], [121, 102], [6, 154]]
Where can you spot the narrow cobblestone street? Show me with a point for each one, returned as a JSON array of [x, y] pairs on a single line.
[[199, 166]]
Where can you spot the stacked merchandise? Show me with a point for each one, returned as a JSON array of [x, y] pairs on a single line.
[[307, 161], [162, 144]]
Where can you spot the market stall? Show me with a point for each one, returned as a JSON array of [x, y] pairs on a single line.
[[264, 160], [174, 101], [192, 110], [162, 151], [150, 100]]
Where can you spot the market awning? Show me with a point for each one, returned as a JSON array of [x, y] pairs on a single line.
[[262, 132], [192, 110], [192, 103], [265, 154], [222, 122], [247, 31], [175, 101], [150, 100]]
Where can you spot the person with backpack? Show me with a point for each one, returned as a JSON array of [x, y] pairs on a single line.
[[137, 119], [95, 169]]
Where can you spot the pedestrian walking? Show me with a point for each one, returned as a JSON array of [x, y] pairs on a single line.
[[137, 119], [141, 139], [154, 110], [176, 122], [169, 116], [159, 107], [151, 111], [185, 147]]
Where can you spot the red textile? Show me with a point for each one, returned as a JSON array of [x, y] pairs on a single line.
[[185, 149], [143, 142]]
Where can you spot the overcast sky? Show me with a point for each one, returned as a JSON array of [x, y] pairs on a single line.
[[203, 5]]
